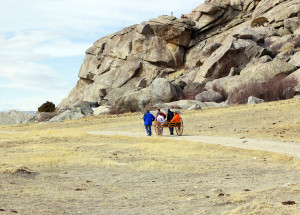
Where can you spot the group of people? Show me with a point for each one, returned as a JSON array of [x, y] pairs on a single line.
[[161, 118]]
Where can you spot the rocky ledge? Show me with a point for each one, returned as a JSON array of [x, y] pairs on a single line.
[[209, 55]]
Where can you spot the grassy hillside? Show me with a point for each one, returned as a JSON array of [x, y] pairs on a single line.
[[58, 168]]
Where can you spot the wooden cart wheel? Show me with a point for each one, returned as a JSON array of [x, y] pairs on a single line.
[[157, 127], [179, 130]]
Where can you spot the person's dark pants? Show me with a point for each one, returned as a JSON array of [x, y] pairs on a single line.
[[171, 130], [148, 129]]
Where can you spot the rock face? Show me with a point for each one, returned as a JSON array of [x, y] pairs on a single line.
[[160, 91], [163, 59], [14, 117], [209, 96]]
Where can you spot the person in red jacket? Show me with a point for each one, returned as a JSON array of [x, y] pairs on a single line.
[[159, 112], [176, 117]]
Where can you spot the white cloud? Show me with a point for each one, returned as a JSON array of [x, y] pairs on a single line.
[[85, 15], [35, 45], [30, 103], [26, 75]]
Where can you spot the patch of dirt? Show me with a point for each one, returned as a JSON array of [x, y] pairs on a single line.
[[281, 147], [21, 171]]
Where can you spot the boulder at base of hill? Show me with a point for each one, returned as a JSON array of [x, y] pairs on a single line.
[[258, 73], [209, 96], [72, 114], [161, 90], [102, 110], [253, 100], [195, 107], [186, 104], [67, 115]]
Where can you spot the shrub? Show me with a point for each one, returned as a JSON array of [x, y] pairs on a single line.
[[241, 95], [113, 110], [199, 63], [259, 21], [47, 107], [271, 90]]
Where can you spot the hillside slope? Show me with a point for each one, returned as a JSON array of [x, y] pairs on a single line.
[[60, 168]]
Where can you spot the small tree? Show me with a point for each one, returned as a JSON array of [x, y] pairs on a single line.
[[47, 107], [259, 21]]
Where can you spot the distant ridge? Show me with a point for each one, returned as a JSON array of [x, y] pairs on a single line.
[[16, 117]]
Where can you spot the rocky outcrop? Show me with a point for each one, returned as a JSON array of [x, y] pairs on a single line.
[[213, 47], [189, 104], [258, 73], [209, 96], [296, 76], [160, 91], [14, 117], [295, 59], [119, 61], [102, 110]]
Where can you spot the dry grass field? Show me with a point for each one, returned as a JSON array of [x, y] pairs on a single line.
[[58, 168]]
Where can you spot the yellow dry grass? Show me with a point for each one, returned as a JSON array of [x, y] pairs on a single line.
[[55, 148]]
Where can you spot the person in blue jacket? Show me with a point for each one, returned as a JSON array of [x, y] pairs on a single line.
[[148, 119]]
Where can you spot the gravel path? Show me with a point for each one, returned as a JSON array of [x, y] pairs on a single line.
[[287, 148], [12, 132]]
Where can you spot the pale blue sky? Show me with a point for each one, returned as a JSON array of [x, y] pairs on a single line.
[[43, 42]]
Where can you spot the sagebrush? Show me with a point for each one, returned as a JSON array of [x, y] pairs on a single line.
[[271, 90]]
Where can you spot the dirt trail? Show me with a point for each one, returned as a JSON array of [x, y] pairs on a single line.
[[12, 132], [287, 148]]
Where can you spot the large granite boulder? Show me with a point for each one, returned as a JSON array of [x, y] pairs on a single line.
[[295, 60], [209, 96], [295, 76], [276, 11], [102, 110], [67, 115], [146, 51], [205, 14], [234, 53], [259, 73], [160, 91], [292, 24], [188, 104]]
